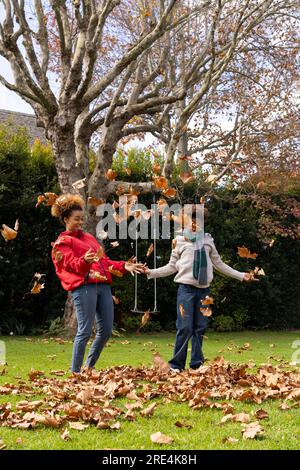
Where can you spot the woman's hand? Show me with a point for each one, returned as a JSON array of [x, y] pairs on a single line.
[[89, 256], [137, 268], [249, 277]]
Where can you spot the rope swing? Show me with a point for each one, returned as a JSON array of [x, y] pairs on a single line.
[[135, 308]]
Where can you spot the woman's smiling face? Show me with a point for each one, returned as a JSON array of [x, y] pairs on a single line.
[[74, 221]]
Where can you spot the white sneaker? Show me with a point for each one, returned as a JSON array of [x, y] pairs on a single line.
[[177, 371]]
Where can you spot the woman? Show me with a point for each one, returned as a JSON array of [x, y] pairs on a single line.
[[193, 257], [84, 269]]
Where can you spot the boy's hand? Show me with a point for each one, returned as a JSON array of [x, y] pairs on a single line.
[[249, 277]]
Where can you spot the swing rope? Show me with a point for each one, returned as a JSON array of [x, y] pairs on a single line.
[[135, 309]]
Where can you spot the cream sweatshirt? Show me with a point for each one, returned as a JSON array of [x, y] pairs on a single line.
[[182, 258]]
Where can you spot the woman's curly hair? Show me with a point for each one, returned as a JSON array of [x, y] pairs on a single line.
[[65, 204]]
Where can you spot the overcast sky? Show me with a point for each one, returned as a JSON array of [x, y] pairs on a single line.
[[9, 99]]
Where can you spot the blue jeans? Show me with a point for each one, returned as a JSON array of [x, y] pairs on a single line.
[[92, 301], [191, 326]]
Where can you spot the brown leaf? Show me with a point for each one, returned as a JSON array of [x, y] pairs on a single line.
[[96, 275], [179, 424], [65, 435], [150, 250], [160, 364], [174, 243], [116, 425], [169, 192], [33, 374], [159, 438], [8, 233], [207, 312], [149, 411], [145, 319], [79, 184], [111, 175], [207, 301], [116, 300], [50, 198], [243, 252], [156, 168], [115, 272], [250, 431], [78, 426], [261, 414], [187, 177], [40, 199], [37, 287], [160, 182], [2, 445], [93, 201], [231, 440]]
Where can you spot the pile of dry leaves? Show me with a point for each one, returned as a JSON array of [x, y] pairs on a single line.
[[90, 399]]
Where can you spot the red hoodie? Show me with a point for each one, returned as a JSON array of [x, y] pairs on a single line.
[[68, 257]]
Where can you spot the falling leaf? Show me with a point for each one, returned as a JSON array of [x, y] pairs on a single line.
[[102, 234], [116, 300], [169, 192], [159, 438], [115, 272], [207, 301], [111, 175], [161, 203], [147, 214], [156, 168], [207, 312], [78, 426], [96, 275], [58, 256], [145, 319], [250, 431], [36, 289], [50, 198], [93, 201], [243, 252], [174, 243], [99, 254], [8, 233], [160, 182], [79, 184], [127, 171], [150, 250], [187, 177], [40, 199], [185, 158], [211, 178], [259, 271], [181, 310]]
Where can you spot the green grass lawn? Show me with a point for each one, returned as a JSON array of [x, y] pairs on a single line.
[[281, 430]]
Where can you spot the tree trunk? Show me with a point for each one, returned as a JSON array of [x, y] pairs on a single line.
[[68, 171], [70, 322]]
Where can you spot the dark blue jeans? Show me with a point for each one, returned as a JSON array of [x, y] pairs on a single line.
[[92, 301], [191, 326]]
